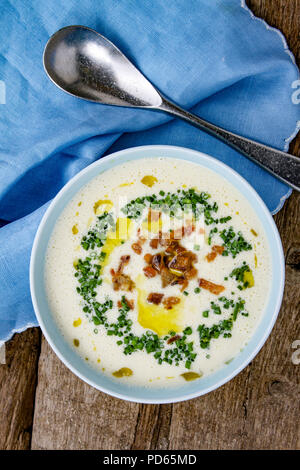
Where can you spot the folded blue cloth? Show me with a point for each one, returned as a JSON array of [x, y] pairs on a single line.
[[211, 55]]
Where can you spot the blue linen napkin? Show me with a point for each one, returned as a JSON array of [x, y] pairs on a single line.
[[211, 56]]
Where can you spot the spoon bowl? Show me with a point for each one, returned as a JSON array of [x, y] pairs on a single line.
[[87, 65]]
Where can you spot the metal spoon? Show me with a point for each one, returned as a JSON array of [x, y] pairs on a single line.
[[85, 64]]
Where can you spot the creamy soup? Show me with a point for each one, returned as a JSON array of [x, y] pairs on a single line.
[[158, 272]]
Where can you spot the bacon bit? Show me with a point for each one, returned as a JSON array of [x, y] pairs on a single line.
[[137, 248], [124, 260], [184, 283], [122, 282], [174, 338], [211, 256], [174, 247], [178, 248], [148, 258], [193, 256], [155, 298], [191, 273], [154, 243], [213, 288], [157, 262], [149, 271], [175, 264], [170, 246], [216, 250], [169, 302], [182, 261], [129, 303], [167, 277]]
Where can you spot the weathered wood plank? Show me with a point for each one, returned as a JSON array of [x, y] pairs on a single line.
[[275, 381], [154, 422], [17, 390], [70, 414]]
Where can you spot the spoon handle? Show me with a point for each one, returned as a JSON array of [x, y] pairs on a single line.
[[286, 167]]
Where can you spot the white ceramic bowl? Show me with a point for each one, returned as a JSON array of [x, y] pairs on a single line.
[[73, 361]]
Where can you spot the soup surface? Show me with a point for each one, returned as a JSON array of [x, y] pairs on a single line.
[[158, 272]]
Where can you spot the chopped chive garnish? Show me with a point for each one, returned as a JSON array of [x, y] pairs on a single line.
[[180, 350]]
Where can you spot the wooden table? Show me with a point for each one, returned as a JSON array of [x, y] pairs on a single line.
[[44, 406]]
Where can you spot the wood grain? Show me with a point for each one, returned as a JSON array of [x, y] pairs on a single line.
[[258, 409], [17, 389], [282, 14], [70, 414]]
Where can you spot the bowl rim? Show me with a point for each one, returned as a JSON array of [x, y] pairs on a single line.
[[118, 155]]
